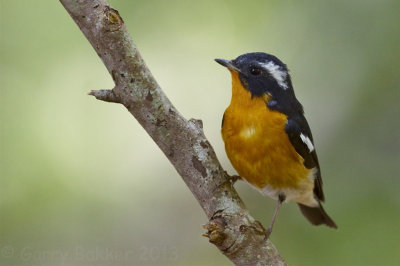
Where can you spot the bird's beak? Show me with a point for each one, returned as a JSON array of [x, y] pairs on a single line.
[[228, 64]]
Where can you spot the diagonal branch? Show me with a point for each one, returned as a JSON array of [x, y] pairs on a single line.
[[230, 226]]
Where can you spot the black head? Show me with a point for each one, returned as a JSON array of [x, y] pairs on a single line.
[[262, 73]]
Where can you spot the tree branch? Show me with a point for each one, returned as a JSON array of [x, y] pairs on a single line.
[[231, 228]]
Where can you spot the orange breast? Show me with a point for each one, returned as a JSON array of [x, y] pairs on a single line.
[[256, 142]]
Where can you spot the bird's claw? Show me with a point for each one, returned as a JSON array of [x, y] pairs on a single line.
[[234, 178], [231, 179]]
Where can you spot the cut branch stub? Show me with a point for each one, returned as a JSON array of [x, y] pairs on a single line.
[[105, 95]]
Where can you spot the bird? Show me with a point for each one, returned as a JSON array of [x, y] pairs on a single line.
[[267, 137]]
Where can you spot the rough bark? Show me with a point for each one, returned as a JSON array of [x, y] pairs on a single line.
[[231, 228]]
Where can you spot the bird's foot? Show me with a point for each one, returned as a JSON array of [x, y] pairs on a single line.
[[232, 178]]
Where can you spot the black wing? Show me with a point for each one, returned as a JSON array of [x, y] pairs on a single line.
[[301, 138]]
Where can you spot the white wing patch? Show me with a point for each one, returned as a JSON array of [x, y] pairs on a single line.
[[277, 73], [307, 141]]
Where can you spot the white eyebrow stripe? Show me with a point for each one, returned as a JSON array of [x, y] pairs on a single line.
[[278, 74], [307, 141]]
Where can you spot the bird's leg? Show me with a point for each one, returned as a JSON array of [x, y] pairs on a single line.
[[281, 199]]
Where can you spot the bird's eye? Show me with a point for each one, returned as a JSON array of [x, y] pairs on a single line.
[[255, 71]]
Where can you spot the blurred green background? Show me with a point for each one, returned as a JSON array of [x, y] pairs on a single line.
[[82, 184]]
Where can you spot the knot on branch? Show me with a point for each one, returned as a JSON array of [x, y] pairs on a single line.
[[231, 232], [215, 230], [113, 20]]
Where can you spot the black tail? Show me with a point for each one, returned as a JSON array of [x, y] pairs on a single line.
[[317, 215]]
